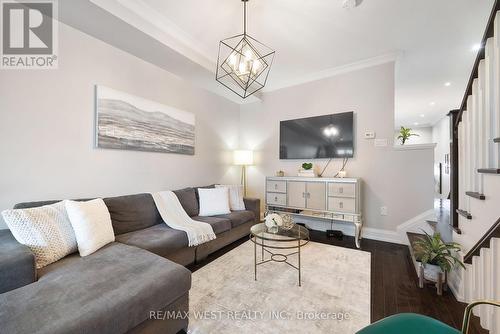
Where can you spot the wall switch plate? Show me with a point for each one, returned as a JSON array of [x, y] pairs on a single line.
[[370, 135], [383, 211], [381, 142]]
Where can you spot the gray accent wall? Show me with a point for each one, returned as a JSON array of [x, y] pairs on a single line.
[[47, 128], [400, 180]]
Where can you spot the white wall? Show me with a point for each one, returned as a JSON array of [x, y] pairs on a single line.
[[47, 127], [400, 180], [424, 136], [441, 136]]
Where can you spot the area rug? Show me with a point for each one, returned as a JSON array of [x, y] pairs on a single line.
[[334, 296]]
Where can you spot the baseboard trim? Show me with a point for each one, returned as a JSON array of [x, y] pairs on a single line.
[[415, 220], [452, 285], [412, 224], [382, 235]]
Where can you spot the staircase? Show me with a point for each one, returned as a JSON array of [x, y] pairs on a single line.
[[477, 186]]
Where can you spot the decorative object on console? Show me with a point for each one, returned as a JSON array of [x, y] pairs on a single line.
[[307, 170], [128, 122], [243, 63], [214, 201], [91, 222], [405, 134], [342, 174], [307, 165], [235, 196], [46, 230], [243, 158], [280, 173]]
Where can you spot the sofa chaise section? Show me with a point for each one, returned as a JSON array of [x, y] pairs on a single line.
[[17, 263], [111, 291]]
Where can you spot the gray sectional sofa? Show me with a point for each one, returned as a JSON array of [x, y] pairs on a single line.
[[115, 289]]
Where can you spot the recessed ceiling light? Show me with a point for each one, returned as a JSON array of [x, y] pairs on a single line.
[[422, 115], [416, 123], [447, 84], [348, 4], [432, 104], [476, 47]]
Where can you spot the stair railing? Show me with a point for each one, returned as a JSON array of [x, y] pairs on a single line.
[[484, 242]]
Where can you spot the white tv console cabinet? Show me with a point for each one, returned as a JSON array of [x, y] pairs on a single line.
[[324, 198]]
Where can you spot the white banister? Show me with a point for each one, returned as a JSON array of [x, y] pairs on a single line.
[[481, 143], [461, 163], [496, 112], [474, 136], [489, 102]]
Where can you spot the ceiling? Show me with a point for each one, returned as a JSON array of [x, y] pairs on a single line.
[[430, 40]]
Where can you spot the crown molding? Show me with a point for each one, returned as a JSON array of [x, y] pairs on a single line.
[[144, 18], [331, 72]]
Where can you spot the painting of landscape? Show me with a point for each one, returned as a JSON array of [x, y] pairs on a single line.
[[127, 122]]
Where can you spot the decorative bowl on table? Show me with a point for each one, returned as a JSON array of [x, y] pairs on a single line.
[[288, 222]]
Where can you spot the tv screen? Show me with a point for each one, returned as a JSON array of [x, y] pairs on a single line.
[[321, 137]]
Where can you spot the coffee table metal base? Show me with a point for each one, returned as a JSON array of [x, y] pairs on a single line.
[[277, 257]]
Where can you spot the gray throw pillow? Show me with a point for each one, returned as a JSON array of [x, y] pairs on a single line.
[[189, 201]]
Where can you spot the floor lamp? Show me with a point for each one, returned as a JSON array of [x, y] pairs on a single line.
[[243, 158]]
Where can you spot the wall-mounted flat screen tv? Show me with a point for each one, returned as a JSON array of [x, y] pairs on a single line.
[[321, 137]]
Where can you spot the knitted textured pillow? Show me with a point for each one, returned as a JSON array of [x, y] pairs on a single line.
[[46, 230]]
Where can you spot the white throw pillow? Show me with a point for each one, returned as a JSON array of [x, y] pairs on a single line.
[[46, 230], [214, 201], [91, 222], [235, 195]]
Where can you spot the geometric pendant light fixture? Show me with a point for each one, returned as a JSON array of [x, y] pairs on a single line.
[[243, 63]]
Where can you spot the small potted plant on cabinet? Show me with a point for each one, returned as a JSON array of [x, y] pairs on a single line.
[[437, 258]]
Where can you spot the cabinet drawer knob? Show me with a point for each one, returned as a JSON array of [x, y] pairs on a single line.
[[275, 186], [341, 190], [275, 198], [341, 205]]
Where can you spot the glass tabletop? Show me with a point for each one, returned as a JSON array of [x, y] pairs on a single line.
[[297, 232]]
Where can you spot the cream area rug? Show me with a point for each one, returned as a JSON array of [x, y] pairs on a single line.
[[334, 296]]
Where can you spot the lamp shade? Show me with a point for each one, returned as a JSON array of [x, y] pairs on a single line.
[[243, 157]]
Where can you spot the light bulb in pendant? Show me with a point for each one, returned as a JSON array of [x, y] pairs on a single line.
[[243, 67], [255, 67]]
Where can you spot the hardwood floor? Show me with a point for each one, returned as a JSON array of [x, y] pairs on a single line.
[[393, 283]]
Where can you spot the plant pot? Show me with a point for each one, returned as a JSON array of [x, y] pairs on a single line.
[[432, 272]]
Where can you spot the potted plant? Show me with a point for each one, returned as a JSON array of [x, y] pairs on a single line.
[[307, 165], [437, 259], [307, 170], [405, 134]]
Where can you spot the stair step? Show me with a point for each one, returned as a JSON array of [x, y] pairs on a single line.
[[475, 194], [464, 213], [489, 170]]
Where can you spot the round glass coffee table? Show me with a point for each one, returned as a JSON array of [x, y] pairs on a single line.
[[276, 243]]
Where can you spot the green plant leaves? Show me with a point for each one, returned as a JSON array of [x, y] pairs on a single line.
[[307, 165], [405, 134], [433, 250]]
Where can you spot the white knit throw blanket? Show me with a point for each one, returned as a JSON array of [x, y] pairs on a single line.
[[173, 214]]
